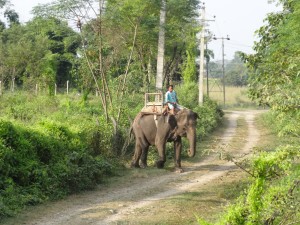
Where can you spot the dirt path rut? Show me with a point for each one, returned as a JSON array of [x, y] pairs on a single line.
[[120, 205]]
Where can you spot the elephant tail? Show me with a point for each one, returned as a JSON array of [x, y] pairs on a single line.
[[131, 133], [128, 140]]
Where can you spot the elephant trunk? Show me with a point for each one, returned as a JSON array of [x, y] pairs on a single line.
[[191, 136]]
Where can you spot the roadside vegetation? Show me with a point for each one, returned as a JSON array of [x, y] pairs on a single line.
[[273, 194], [55, 146]]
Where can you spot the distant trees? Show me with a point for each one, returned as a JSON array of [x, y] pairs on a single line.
[[236, 72], [12, 16], [42, 51]]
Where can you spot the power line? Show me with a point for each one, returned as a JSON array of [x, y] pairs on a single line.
[[223, 64]]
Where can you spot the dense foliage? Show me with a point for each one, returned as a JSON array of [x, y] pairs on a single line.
[[275, 65], [236, 72], [119, 45], [275, 68], [41, 52], [210, 114], [45, 153]]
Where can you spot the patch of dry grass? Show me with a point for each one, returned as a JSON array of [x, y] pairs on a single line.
[[235, 97]]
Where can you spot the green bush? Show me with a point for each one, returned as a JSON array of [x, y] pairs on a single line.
[[210, 114], [36, 166], [273, 194]]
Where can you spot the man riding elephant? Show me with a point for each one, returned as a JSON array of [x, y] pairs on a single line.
[[157, 130]]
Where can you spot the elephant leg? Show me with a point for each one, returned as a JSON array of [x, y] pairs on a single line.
[[177, 153], [137, 155], [162, 156], [144, 156]]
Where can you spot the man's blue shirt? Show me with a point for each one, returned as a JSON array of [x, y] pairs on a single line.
[[171, 97]]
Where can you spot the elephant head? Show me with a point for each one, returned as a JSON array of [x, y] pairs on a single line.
[[186, 127]]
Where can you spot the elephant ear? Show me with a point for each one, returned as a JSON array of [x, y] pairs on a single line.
[[196, 116], [193, 115], [172, 121], [180, 112], [189, 112]]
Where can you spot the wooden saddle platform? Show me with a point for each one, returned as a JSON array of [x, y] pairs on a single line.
[[154, 104]]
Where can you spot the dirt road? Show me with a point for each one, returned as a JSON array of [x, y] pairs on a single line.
[[143, 197]]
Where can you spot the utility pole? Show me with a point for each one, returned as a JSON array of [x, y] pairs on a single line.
[[207, 85], [223, 64], [202, 51], [201, 72]]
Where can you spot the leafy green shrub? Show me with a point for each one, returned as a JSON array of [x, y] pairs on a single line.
[[287, 123], [273, 196], [188, 94], [210, 114], [39, 165]]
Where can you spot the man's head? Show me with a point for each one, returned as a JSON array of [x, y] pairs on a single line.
[[170, 88]]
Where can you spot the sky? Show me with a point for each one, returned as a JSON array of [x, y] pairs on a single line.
[[238, 19]]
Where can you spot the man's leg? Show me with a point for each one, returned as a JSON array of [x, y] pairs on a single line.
[[165, 110], [171, 107]]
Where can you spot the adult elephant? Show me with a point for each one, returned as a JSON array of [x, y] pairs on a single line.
[[150, 129]]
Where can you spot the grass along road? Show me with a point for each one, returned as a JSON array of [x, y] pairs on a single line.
[[153, 196]]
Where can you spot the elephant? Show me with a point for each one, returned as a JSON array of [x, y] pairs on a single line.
[[157, 130]]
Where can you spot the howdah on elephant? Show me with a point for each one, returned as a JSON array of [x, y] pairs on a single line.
[[157, 130]]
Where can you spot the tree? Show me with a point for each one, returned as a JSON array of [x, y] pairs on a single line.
[[94, 49], [181, 24], [236, 71], [13, 50], [189, 68], [26, 48], [215, 69], [274, 77], [12, 16], [119, 42], [2, 4]]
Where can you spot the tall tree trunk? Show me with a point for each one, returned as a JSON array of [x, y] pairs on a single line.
[[161, 47], [149, 74], [105, 89]]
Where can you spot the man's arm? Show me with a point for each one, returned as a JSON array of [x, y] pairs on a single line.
[[176, 98], [166, 97]]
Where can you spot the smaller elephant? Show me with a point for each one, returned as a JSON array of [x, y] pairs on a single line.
[[157, 130]]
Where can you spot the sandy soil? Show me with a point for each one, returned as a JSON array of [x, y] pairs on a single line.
[[138, 200]]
